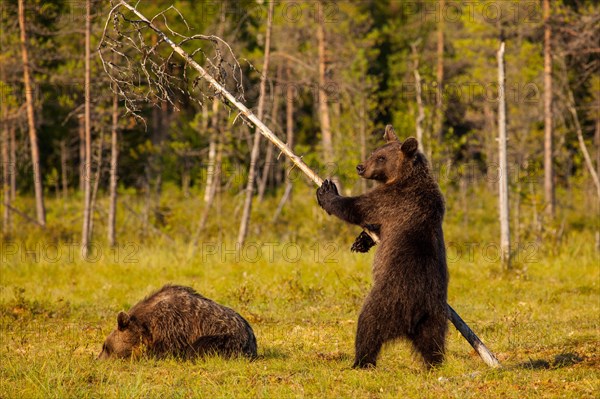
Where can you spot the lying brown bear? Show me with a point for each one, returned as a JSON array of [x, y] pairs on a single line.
[[177, 321]]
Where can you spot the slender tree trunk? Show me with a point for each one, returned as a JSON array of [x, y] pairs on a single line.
[[185, 176], [269, 155], [64, 166], [87, 173], [597, 144], [289, 131], [212, 196], [586, 155], [503, 165], [214, 130], [82, 165], [326, 136], [213, 191], [212, 150], [114, 168], [161, 122], [7, 162], [420, 108], [243, 231], [35, 155], [12, 154], [438, 115], [289, 113], [96, 182], [363, 137], [7, 167], [548, 145]]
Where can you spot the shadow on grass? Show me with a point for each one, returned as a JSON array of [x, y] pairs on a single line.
[[272, 353], [561, 360]]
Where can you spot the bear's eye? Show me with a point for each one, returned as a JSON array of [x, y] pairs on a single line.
[[380, 159]]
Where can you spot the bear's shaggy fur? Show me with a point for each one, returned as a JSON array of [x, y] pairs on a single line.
[[410, 276], [178, 321]]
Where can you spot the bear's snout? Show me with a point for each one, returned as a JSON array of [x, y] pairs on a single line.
[[360, 168]]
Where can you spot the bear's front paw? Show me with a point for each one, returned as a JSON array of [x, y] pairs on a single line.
[[362, 243], [325, 193]]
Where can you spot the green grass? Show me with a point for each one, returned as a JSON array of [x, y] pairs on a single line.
[[302, 296]]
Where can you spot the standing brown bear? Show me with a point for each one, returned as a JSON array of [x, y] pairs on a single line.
[[178, 321], [410, 276]]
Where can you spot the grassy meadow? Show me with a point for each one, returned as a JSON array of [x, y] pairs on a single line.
[[301, 289]]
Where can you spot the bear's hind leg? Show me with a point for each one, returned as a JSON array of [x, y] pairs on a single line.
[[429, 339], [369, 338]]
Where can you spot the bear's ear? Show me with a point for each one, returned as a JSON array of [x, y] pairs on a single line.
[[410, 146], [389, 135], [122, 321]]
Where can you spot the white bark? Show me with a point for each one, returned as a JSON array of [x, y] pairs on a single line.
[[212, 152], [420, 109], [114, 163], [503, 165]]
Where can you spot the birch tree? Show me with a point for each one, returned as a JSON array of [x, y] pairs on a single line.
[[420, 108], [6, 167], [243, 231], [503, 164], [548, 128], [114, 167], [87, 164], [6, 160], [438, 115]]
